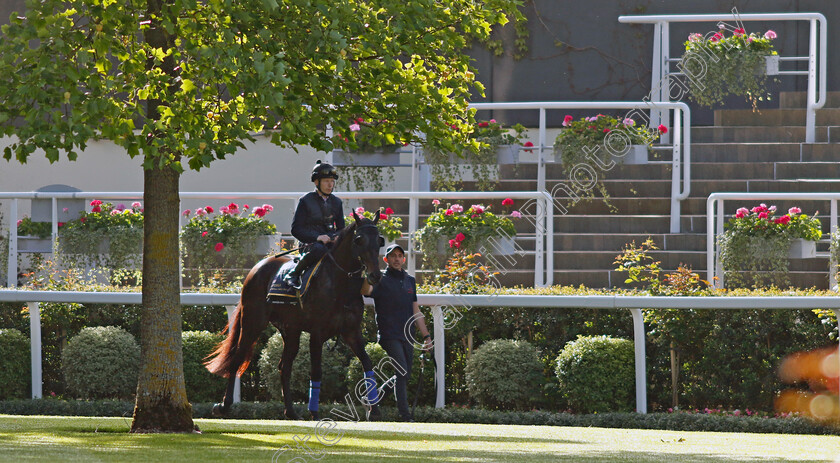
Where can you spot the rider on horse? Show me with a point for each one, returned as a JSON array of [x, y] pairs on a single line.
[[318, 219]]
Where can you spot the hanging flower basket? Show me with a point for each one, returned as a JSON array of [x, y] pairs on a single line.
[[633, 155], [34, 244], [802, 249]]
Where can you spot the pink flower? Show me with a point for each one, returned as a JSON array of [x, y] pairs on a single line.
[[60, 224], [246, 207], [567, 121], [694, 37], [528, 144], [662, 129], [478, 209], [120, 207], [200, 212], [20, 221], [516, 214], [770, 35], [96, 209], [136, 204], [389, 211], [794, 210], [435, 202], [454, 244], [742, 212], [739, 32], [268, 207], [219, 247], [760, 208], [360, 211], [65, 209], [224, 210], [457, 208], [762, 215], [114, 212], [460, 237], [507, 202], [209, 209], [233, 208], [492, 121], [448, 212], [95, 202], [355, 127], [203, 234], [186, 212], [628, 122]]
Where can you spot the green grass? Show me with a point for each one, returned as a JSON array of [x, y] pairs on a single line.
[[42, 438]]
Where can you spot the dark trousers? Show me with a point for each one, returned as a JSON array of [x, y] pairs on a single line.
[[315, 251], [403, 353]]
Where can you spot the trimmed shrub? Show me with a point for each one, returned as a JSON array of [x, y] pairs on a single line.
[[14, 364], [202, 386], [101, 362], [505, 374], [596, 374], [333, 368]]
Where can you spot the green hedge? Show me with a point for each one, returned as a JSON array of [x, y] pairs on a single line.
[[505, 374], [202, 386], [101, 362], [15, 371], [596, 374]]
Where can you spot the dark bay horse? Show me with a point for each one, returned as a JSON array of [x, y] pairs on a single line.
[[332, 307]]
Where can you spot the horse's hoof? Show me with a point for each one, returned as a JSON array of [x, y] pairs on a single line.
[[219, 410], [374, 414], [315, 415], [291, 414]]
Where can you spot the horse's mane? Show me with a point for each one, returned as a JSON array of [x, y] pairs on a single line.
[[349, 229]]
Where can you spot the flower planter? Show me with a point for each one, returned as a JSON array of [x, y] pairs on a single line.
[[34, 244], [376, 158], [771, 65], [635, 155], [802, 249], [499, 245], [507, 154]]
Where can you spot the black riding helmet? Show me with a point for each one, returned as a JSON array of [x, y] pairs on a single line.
[[323, 170]]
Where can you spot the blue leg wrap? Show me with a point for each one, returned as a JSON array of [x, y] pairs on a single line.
[[314, 394], [372, 392]]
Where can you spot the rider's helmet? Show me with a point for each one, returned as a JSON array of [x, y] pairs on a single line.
[[323, 170]]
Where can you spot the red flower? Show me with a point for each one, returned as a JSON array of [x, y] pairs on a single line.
[[448, 212], [96, 209], [60, 224], [233, 206], [528, 144], [483, 124], [389, 211], [219, 247], [454, 244], [260, 212], [662, 129], [607, 130], [83, 219], [762, 215], [95, 202], [383, 216], [203, 234], [507, 202], [209, 209], [784, 220], [245, 207], [460, 237]]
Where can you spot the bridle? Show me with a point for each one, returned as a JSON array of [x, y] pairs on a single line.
[[362, 267]]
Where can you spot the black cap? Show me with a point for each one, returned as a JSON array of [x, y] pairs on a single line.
[[391, 248], [323, 170]]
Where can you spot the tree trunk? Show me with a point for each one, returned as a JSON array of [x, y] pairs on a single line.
[[161, 404]]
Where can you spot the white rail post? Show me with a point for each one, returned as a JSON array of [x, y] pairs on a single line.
[[54, 226], [35, 348], [640, 363], [810, 107], [665, 79], [676, 173], [718, 262], [832, 261], [440, 379], [656, 73], [12, 268], [237, 389]]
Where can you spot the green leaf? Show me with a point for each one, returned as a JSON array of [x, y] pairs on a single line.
[[187, 85]]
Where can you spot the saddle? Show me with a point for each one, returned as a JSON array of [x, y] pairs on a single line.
[[280, 292]]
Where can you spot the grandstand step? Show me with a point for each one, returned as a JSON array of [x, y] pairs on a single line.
[[774, 117], [799, 99]]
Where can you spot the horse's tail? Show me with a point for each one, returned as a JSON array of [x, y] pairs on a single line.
[[229, 354]]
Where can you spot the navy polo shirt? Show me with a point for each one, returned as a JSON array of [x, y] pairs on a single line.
[[394, 298]]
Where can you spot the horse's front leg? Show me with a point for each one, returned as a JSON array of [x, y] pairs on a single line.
[[291, 345], [370, 397], [316, 346]]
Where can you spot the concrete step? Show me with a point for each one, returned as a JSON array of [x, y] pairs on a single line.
[[774, 117], [635, 224], [799, 99], [739, 133], [618, 241]]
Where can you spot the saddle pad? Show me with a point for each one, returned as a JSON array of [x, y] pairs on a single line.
[[280, 291]]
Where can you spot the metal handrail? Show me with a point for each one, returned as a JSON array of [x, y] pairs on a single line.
[[714, 267], [661, 88], [680, 190], [449, 303], [544, 250]]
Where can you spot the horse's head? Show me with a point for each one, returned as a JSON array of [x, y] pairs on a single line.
[[366, 244]]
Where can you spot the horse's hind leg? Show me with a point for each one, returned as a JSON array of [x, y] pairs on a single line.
[[316, 346], [291, 345], [357, 345]]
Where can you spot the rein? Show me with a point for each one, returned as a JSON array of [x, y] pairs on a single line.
[[356, 273]]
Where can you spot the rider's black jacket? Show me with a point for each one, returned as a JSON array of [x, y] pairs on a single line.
[[315, 217]]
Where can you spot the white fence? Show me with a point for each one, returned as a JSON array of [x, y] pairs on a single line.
[[661, 74], [714, 227], [446, 310]]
